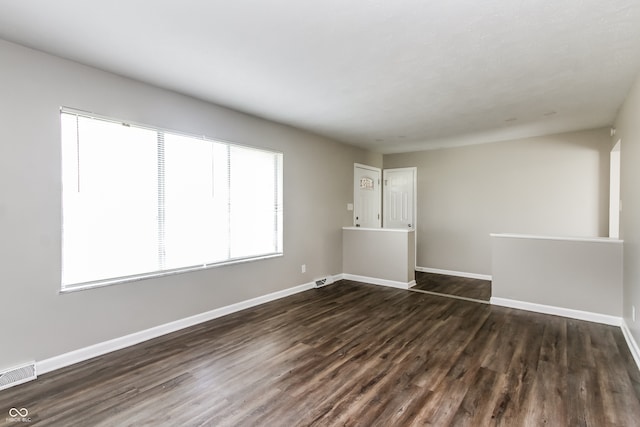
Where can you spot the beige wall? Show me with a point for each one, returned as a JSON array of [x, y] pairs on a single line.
[[628, 130], [379, 254], [578, 274], [35, 321], [551, 185]]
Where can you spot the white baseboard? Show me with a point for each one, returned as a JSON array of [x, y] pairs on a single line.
[[631, 343], [454, 273], [381, 282], [80, 355], [558, 311]]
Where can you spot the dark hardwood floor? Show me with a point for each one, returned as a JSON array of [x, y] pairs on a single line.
[[352, 354], [453, 285]]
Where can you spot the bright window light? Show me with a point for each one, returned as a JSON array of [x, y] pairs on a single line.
[[140, 202]]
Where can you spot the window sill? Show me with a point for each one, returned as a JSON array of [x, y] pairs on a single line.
[[127, 279]]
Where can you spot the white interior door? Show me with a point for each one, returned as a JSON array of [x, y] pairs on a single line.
[[366, 196], [399, 197]]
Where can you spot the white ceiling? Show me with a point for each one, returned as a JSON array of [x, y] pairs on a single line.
[[389, 75]]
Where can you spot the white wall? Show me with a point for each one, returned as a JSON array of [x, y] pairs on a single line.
[[627, 125], [550, 185], [36, 322]]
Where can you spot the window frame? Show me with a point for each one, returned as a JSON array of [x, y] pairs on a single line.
[[278, 212]]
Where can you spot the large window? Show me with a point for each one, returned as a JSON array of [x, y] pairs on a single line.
[[140, 202]]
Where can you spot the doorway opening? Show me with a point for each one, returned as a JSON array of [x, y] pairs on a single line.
[[614, 192]]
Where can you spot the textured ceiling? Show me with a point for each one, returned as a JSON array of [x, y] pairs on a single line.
[[391, 76]]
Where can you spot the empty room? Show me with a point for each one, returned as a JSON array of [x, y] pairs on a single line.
[[279, 213]]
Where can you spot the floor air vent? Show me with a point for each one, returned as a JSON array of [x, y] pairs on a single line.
[[324, 282], [17, 375]]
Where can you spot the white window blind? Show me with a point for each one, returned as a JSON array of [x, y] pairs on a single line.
[[140, 202]]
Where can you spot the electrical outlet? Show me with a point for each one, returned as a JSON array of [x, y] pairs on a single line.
[[303, 268]]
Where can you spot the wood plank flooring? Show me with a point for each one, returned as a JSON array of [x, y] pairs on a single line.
[[452, 285], [352, 354]]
